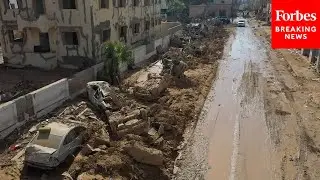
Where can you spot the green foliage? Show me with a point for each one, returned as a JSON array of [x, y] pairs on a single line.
[[176, 6], [114, 54]]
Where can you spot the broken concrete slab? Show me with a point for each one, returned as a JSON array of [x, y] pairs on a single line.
[[134, 122], [145, 155]]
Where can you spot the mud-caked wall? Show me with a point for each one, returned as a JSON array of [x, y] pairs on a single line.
[[70, 34]]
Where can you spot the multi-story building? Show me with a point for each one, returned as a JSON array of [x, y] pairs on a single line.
[[212, 8], [69, 33]]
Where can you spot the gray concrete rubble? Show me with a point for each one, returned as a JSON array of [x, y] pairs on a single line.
[[145, 155], [102, 95], [134, 122], [178, 68], [152, 87]]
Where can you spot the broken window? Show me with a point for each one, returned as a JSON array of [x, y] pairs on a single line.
[[70, 38], [135, 2], [122, 3], [146, 2], [39, 6], [15, 36], [136, 28], [69, 4], [147, 25], [11, 4], [106, 35], [44, 43], [123, 33], [104, 4]]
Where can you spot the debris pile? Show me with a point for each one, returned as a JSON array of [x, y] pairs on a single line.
[[135, 132], [134, 122]]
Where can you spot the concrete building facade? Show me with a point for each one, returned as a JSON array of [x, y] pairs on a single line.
[[69, 33], [214, 8]]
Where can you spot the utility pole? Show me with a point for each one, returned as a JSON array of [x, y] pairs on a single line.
[[232, 11]]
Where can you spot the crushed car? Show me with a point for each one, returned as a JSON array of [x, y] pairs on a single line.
[[53, 143]]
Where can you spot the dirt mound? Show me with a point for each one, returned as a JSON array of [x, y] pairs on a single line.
[[149, 154]]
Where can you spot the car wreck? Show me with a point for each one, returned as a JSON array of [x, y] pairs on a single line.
[[53, 143]]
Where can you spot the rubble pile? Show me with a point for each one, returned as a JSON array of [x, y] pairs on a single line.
[[135, 132], [152, 87]]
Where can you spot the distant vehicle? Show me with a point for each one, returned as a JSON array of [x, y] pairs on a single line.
[[241, 23], [53, 143], [224, 19]]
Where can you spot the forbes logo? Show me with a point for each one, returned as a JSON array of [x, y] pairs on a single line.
[[281, 15]]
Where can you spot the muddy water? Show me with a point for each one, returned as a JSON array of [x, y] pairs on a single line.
[[232, 139], [239, 146]]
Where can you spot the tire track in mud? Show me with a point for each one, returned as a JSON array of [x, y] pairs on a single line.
[[302, 140]]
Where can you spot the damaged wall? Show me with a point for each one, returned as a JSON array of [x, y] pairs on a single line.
[[54, 34], [218, 8]]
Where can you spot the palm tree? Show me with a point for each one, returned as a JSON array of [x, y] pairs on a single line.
[[114, 53]]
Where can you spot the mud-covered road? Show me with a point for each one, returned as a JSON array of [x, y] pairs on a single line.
[[249, 128], [232, 141]]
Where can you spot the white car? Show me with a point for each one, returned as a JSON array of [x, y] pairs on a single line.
[[241, 23], [52, 144]]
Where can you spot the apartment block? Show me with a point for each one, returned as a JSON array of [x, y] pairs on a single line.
[[69, 33], [212, 8]]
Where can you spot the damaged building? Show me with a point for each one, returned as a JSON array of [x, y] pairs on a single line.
[[69, 33]]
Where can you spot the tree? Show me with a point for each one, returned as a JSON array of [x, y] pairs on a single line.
[[176, 6], [113, 54]]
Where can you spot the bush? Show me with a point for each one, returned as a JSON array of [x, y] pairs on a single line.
[[114, 54]]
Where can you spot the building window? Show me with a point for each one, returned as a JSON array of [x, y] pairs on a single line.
[[152, 22], [123, 33], [104, 4], [106, 34], [69, 4], [136, 28], [44, 43], [12, 4], [135, 2], [159, 21], [70, 38], [222, 1], [15, 36], [39, 6], [146, 2], [147, 25], [122, 3]]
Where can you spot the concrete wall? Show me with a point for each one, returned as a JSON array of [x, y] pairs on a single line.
[[8, 118], [16, 113], [50, 97], [211, 9]]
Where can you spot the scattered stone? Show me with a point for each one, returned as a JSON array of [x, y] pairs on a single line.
[[87, 176], [175, 169], [161, 129], [102, 137], [86, 150], [145, 155]]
